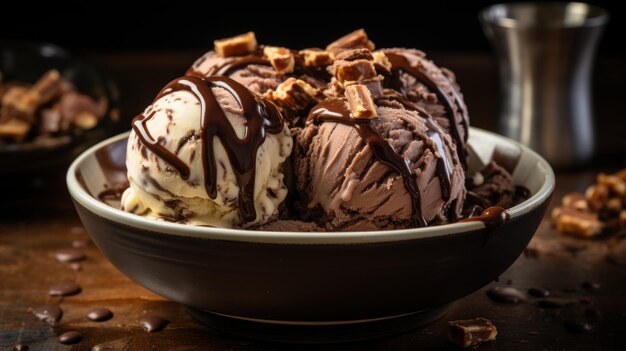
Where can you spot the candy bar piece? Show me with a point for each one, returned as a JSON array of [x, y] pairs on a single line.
[[48, 87], [355, 54], [236, 46], [576, 201], [355, 40], [360, 102], [14, 129], [281, 59], [351, 72], [381, 62], [614, 183], [614, 204], [17, 102], [85, 120], [577, 223], [294, 93], [471, 332], [79, 110], [50, 120], [597, 196], [316, 58], [621, 174]]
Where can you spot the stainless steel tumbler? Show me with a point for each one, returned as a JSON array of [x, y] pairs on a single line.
[[545, 55]]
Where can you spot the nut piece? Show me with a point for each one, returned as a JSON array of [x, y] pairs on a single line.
[[577, 223], [236, 46], [282, 59], [471, 332], [576, 201], [597, 196], [614, 183], [360, 102], [14, 129], [381, 62], [355, 40], [316, 58]]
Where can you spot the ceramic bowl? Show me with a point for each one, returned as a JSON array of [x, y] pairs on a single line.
[[296, 286]]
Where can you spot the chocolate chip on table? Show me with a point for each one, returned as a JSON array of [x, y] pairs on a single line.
[[20, 347], [64, 289], [70, 337], [538, 292], [100, 314], [153, 324], [50, 314], [506, 295], [70, 255]]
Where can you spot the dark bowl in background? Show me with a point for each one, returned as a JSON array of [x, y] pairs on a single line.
[[26, 61], [313, 287]]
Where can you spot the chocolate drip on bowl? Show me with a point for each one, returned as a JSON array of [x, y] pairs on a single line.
[[261, 117]]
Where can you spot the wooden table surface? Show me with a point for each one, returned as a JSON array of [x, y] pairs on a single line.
[[37, 218]]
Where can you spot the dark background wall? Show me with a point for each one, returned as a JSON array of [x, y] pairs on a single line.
[[435, 25]]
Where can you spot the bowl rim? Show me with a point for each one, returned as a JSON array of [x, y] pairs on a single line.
[[96, 207]]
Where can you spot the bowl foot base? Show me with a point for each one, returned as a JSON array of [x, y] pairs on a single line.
[[318, 333]]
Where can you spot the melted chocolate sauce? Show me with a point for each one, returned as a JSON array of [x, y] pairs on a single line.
[[229, 67], [443, 166], [261, 118], [400, 64], [335, 110], [113, 193], [493, 217]]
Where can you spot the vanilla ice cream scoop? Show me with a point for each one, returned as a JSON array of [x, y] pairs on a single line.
[[208, 151]]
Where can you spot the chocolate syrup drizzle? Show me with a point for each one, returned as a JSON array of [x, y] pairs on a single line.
[[335, 110], [261, 118], [399, 65], [229, 67], [493, 217]]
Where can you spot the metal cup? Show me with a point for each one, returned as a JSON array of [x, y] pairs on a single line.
[[545, 54]]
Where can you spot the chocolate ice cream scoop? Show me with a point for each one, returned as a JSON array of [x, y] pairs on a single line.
[[252, 70], [394, 168], [433, 89], [262, 68]]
